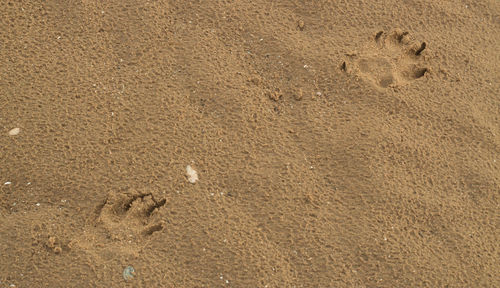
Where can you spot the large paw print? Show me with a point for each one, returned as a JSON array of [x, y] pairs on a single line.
[[131, 214], [388, 60]]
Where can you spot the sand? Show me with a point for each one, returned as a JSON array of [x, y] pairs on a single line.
[[335, 143]]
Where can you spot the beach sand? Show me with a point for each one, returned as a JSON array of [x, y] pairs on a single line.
[[329, 143]]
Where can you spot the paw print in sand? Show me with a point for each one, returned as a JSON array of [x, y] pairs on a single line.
[[388, 60], [131, 214]]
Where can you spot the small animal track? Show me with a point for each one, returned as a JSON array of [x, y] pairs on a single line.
[[388, 60], [130, 214]]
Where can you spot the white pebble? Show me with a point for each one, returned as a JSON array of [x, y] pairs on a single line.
[[192, 174], [7, 183], [14, 131]]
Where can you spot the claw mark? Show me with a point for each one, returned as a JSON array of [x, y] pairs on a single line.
[[128, 204], [152, 229], [420, 72], [401, 36], [157, 205], [422, 47], [343, 67]]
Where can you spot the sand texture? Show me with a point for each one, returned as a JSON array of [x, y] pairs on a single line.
[[348, 143]]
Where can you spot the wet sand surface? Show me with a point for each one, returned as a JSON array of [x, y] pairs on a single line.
[[329, 143]]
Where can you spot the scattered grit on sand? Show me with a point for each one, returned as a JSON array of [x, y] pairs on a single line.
[[337, 143]]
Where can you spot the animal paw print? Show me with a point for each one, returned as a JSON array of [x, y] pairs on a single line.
[[388, 60], [131, 214]]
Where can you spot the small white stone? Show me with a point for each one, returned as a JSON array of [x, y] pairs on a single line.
[[192, 174], [37, 204], [15, 131], [7, 183]]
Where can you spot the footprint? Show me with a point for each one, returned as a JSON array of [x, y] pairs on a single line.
[[388, 60], [130, 215]]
